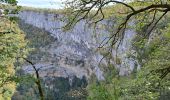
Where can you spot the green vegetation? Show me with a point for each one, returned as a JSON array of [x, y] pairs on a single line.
[[55, 88], [13, 46], [151, 46], [151, 82], [62, 90]]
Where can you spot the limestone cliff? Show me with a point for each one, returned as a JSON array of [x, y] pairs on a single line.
[[72, 53]]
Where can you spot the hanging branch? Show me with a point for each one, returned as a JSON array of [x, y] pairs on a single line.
[[38, 82], [83, 9]]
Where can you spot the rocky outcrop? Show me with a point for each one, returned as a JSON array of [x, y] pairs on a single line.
[[73, 52]]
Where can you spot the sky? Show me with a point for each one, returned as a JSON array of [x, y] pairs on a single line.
[[41, 3]]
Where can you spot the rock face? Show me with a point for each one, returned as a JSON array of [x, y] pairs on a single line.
[[72, 53]]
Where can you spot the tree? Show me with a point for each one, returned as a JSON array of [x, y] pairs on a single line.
[[97, 10], [37, 81], [146, 14], [148, 17], [12, 2], [12, 46]]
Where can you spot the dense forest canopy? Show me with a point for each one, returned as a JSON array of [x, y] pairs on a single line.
[[151, 46]]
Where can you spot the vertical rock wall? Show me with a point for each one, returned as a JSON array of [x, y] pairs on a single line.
[[73, 52]]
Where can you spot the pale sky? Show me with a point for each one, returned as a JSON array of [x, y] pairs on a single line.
[[41, 3]]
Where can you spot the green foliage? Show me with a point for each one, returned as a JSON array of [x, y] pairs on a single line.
[[55, 88], [151, 82], [12, 48], [13, 45], [105, 90], [14, 2], [99, 92]]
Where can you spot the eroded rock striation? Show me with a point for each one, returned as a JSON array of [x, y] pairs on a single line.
[[72, 53]]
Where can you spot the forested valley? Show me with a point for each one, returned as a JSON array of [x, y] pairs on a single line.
[[86, 50]]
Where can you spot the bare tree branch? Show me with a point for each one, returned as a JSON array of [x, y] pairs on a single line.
[[90, 9], [38, 82]]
